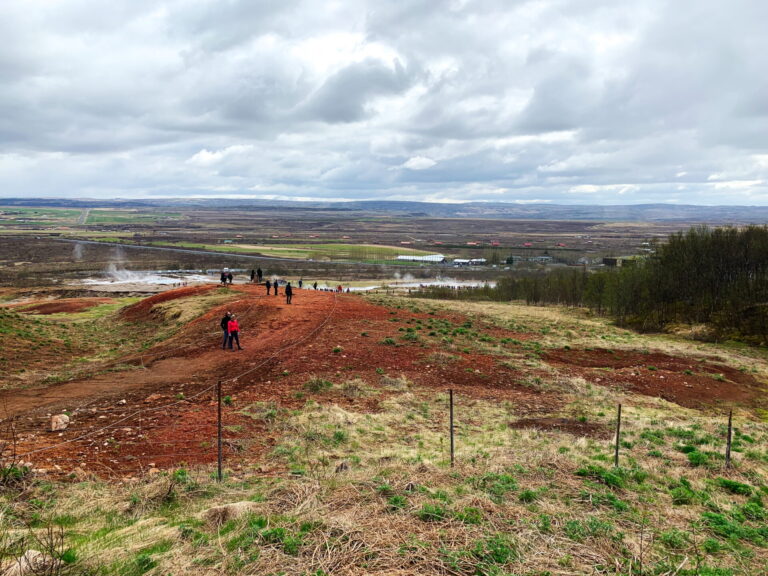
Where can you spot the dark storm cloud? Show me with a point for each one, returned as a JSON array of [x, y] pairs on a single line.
[[454, 99]]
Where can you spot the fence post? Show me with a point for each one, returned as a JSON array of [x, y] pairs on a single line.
[[618, 438], [218, 429], [450, 403], [728, 440]]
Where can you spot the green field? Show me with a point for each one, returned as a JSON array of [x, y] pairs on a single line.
[[128, 217], [327, 251]]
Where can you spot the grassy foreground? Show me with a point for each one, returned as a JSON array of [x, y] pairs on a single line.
[[374, 493]]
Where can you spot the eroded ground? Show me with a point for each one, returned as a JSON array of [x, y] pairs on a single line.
[[154, 405]]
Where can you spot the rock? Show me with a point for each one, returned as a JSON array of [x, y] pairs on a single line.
[[32, 562], [219, 515], [154, 398], [59, 422], [342, 467], [122, 402]]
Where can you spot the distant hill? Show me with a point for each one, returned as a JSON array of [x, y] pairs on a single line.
[[627, 213]]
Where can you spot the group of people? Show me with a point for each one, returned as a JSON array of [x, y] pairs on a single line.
[[231, 328], [226, 278]]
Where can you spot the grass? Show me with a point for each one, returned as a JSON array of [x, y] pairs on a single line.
[[320, 251], [518, 501]]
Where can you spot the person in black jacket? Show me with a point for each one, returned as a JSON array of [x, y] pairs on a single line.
[[288, 293], [259, 274], [269, 286], [225, 328], [275, 287]]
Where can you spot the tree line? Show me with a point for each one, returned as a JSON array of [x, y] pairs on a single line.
[[716, 276]]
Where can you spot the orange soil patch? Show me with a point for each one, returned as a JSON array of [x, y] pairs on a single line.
[[684, 381], [66, 305]]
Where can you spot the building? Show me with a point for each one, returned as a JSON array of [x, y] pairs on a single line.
[[429, 258]]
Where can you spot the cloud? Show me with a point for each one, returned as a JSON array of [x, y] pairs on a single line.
[[519, 101], [419, 163]]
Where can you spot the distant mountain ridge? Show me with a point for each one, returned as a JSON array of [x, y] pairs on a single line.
[[622, 213]]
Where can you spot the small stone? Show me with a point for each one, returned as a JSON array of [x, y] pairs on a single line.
[[342, 467], [59, 422]]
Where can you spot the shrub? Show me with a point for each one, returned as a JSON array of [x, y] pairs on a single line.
[[733, 486], [697, 458], [432, 513], [397, 502], [317, 385]]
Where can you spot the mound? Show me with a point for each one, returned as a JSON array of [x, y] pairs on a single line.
[[66, 305], [141, 310]]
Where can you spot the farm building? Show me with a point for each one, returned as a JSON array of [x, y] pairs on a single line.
[[431, 258], [470, 262], [618, 261]]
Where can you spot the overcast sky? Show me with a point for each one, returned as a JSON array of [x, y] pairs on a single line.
[[561, 101]]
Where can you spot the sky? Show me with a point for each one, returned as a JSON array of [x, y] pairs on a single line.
[[540, 101]]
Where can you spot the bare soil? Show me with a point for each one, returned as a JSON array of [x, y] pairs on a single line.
[[689, 382]]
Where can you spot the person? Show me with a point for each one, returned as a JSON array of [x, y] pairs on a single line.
[[314, 285], [225, 327], [274, 284], [229, 277], [223, 278], [269, 287], [253, 275], [300, 283], [234, 332], [259, 274], [288, 293]]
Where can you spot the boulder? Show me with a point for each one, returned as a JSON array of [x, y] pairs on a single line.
[[59, 422], [32, 562]]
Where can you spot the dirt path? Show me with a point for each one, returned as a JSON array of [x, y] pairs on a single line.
[[193, 357]]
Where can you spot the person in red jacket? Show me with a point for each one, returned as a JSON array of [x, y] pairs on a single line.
[[234, 332]]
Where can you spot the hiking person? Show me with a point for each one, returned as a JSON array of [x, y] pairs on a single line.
[[229, 277], [253, 275], [223, 278], [234, 332], [259, 274], [269, 286], [225, 327], [300, 282], [275, 286], [314, 285], [288, 293]]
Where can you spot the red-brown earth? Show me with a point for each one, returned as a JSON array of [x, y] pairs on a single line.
[[163, 413]]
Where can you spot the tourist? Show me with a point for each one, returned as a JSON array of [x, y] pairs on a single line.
[[234, 332], [269, 286], [275, 285], [288, 293], [259, 274], [225, 327]]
